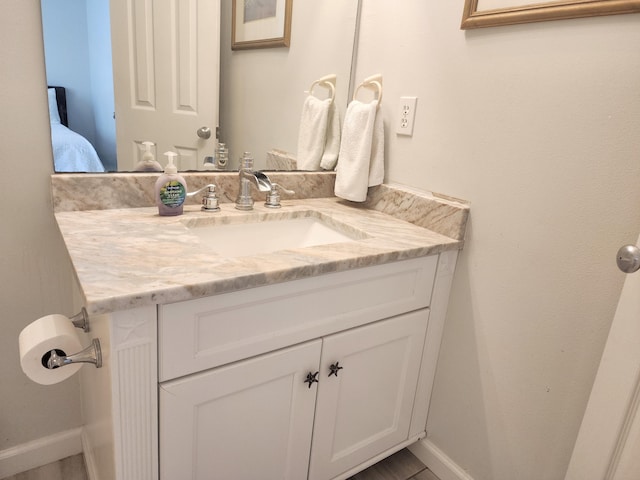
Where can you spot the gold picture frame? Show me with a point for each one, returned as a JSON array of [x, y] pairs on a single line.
[[540, 12], [260, 24]]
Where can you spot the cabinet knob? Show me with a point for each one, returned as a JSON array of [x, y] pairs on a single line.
[[333, 369], [312, 378]]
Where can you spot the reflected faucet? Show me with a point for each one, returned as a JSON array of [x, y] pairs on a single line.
[[249, 177]]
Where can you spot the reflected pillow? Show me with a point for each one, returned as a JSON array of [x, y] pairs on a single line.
[[54, 116]]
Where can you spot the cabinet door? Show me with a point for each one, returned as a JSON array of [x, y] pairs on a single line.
[[366, 408], [248, 420]]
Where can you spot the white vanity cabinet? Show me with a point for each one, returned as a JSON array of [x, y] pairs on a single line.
[[216, 387], [205, 355], [305, 379], [255, 418]]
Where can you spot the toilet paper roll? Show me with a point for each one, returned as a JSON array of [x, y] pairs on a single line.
[[53, 332]]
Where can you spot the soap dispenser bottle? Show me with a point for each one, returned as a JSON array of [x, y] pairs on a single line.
[[170, 189], [148, 162]]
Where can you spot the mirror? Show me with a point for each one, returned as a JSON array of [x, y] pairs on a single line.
[[261, 91]]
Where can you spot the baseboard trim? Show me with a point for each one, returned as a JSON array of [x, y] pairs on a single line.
[[437, 461], [39, 452], [89, 460]]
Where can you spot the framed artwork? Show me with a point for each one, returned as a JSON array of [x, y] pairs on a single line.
[[492, 13], [260, 24]]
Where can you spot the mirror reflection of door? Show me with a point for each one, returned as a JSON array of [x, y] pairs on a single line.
[[165, 75], [166, 78]]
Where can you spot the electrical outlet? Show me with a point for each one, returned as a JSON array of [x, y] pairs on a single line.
[[406, 115]]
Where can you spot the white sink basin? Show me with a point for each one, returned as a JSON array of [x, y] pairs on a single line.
[[244, 239]]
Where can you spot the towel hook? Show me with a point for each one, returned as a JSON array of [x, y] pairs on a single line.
[[374, 81], [328, 81]]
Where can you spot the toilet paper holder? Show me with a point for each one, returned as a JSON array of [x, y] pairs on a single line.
[[81, 320], [91, 354]]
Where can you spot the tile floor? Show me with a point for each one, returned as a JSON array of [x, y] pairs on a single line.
[[400, 466]]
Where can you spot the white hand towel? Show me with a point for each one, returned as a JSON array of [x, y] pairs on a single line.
[[376, 165], [361, 158], [313, 132], [332, 144]]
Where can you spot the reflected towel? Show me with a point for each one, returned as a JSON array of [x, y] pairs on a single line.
[[332, 143], [361, 155], [313, 132]]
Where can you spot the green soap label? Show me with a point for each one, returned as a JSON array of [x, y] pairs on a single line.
[[172, 194]]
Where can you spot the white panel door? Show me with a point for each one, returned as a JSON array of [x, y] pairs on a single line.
[[608, 444], [246, 421], [366, 408], [166, 57]]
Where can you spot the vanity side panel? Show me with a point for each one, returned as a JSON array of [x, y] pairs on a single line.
[[134, 370], [439, 304], [97, 414]]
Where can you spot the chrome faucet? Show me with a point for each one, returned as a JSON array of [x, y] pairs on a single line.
[[249, 177]]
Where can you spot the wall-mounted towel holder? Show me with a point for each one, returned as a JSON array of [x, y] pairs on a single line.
[[372, 82], [328, 81]]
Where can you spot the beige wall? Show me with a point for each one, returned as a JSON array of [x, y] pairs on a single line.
[[537, 126], [33, 261]]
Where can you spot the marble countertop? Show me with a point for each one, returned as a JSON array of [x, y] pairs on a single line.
[[131, 257]]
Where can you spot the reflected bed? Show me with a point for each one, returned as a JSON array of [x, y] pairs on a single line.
[[71, 151]]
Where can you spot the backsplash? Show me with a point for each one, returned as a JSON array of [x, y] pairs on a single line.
[[83, 191]]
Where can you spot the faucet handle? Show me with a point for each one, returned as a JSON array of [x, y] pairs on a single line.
[[210, 198], [273, 197]]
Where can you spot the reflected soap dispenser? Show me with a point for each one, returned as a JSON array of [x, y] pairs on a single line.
[[148, 163], [171, 189]]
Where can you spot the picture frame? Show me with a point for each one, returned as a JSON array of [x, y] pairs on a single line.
[[511, 12], [260, 24]]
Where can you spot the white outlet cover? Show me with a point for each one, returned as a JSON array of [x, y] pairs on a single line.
[[406, 115]]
